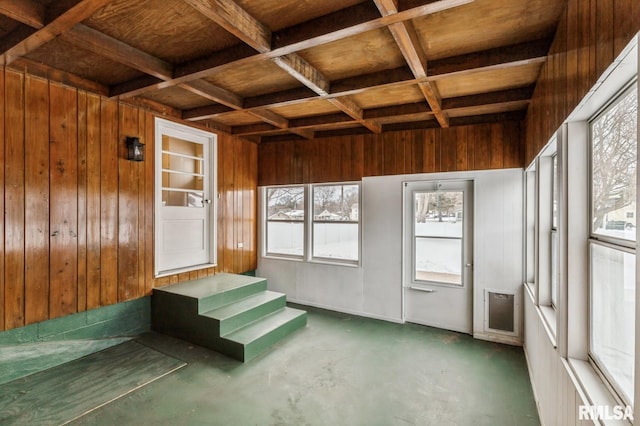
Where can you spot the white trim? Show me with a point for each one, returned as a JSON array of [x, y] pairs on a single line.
[[184, 132]]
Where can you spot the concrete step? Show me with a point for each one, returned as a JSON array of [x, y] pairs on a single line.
[[256, 337], [238, 314]]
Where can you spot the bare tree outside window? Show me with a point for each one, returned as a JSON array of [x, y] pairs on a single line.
[[614, 163], [285, 203]]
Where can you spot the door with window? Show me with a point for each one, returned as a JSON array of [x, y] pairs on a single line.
[[185, 198], [438, 255]]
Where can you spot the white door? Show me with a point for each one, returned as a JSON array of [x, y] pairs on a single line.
[[185, 202], [438, 263]]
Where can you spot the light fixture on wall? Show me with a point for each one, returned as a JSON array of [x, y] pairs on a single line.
[[135, 149]]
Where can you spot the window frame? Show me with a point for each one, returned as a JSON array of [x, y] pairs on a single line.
[[608, 241], [312, 221], [265, 248], [554, 250], [308, 202]]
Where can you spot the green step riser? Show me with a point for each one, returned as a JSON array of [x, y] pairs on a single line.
[[218, 300], [259, 345], [230, 324]]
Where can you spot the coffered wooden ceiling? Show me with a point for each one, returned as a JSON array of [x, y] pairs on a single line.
[[290, 69]]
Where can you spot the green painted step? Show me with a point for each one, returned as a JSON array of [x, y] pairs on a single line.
[[213, 292], [237, 314], [232, 314], [254, 338]]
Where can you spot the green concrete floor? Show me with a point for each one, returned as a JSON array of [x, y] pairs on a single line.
[[339, 370]]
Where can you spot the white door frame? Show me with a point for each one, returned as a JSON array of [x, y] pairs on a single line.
[[181, 131]]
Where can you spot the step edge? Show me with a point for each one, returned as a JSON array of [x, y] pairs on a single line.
[[276, 295], [298, 314]]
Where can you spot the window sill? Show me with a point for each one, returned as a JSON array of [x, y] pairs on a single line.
[[591, 389], [548, 315], [283, 257], [348, 264]]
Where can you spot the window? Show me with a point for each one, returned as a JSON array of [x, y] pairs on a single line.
[[285, 221], [329, 233], [554, 232], [612, 241], [530, 230], [335, 222]]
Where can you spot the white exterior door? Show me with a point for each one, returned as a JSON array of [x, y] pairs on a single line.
[[185, 198], [438, 264]]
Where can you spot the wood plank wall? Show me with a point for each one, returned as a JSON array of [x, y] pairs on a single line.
[[78, 225], [474, 147], [590, 35]]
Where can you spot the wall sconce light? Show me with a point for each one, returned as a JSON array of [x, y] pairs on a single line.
[[135, 149]]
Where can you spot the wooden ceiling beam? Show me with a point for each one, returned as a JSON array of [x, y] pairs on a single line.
[[409, 112], [214, 93], [230, 16], [498, 58], [431, 94], [387, 7], [205, 112], [64, 22], [499, 97], [506, 57], [29, 12], [304, 72], [350, 22], [398, 110], [87, 38], [270, 117], [316, 32], [233, 18], [350, 108], [409, 44], [416, 125]]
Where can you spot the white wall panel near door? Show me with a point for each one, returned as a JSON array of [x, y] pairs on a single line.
[[374, 289]]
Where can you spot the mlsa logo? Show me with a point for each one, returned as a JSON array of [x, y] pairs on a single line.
[[605, 412]]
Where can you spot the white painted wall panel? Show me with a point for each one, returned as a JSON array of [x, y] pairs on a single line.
[[382, 246], [375, 288], [554, 385]]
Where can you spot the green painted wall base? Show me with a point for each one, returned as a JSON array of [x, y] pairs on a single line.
[[37, 347]]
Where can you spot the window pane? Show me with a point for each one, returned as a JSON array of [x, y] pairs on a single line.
[[335, 222], [335, 203], [182, 199], [439, 260], [613, 315], [285, 220], [285, 238], [439, 214], [336, 240], [554, 201], [530, 217], [554, 268], [285, 203], [614, 152]]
